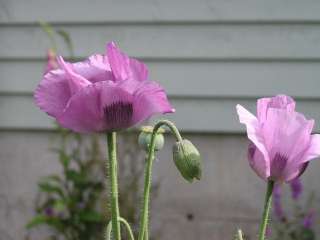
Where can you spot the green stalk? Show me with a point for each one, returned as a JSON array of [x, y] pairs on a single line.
[[125, 223], [112, 155], [239, 235], [267, 206], [144, 221]]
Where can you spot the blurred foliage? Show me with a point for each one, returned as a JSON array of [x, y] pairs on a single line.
[[74, 204], [70, 203], [299, 223]]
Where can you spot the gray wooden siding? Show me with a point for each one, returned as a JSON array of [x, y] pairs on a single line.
[[209, 55]]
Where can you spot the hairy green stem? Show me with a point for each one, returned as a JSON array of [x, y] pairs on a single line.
[[127, 225], [144, 221], [239, 235], [113, 169], [267, 206]]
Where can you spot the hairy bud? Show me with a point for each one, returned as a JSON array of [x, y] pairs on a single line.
[[145, 138], [187, 159]]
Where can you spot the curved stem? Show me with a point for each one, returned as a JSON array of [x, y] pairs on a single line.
[[143, 231], [127, 225], [113, 169], [267, 206], [108, 231], [239, 234]]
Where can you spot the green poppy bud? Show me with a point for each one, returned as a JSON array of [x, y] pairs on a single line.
[[145, 138], [187, 159]]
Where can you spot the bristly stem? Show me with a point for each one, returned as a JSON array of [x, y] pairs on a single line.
[[267, 206], [113, 169], [125, 223], [239, 235], [143, 231]]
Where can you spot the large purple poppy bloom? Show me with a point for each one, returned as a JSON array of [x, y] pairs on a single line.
[[103, 93], [281, 141]]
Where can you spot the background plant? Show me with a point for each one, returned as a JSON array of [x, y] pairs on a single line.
[[300, 224]]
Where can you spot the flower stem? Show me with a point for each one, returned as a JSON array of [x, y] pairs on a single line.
[[267, 206], [112, 155], [143, 231], [125, 223], [239, 235]]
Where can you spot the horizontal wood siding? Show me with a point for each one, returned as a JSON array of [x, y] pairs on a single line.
[[88, 11], [209, 55]]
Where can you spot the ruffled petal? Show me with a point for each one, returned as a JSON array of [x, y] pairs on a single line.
[[123, 67], [313, 150], [149, 99], [52, 94], [102, 106], [279, 101], [95, 69], [255, 135], [83, 113], [76, 82], [286, 133]]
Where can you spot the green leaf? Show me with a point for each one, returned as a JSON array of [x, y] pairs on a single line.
[[37, 220], [75, 176], [308, 234], [42, 219], [64, 159], [50, 188], [90, 216], [53, 178]]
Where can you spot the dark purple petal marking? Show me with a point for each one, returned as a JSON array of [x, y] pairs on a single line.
[[118, 115], [278, 164]]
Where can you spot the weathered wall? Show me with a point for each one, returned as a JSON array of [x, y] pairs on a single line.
[[229, 195], [208, 54]]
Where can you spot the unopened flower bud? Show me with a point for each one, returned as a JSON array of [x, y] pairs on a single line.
[[187, 159], [145, 138]]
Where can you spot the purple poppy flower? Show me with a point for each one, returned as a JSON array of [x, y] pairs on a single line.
[[104, 93], [281, 141]]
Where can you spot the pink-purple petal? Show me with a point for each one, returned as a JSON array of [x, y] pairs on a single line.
[[257, 162], [123, 67], [83, 112], [76, 81], [149, 99], [279, 101], [286, 133], [313, 150], [52, 94], [254, 133], [95, 69]]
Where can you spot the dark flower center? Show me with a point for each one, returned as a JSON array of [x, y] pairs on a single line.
[[278, 164], [118, 115]]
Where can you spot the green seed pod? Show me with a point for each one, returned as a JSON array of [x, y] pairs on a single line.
[[145, 138], [187, 159]]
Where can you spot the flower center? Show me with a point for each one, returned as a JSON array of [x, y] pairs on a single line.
[[118, 115], [278, 164]]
